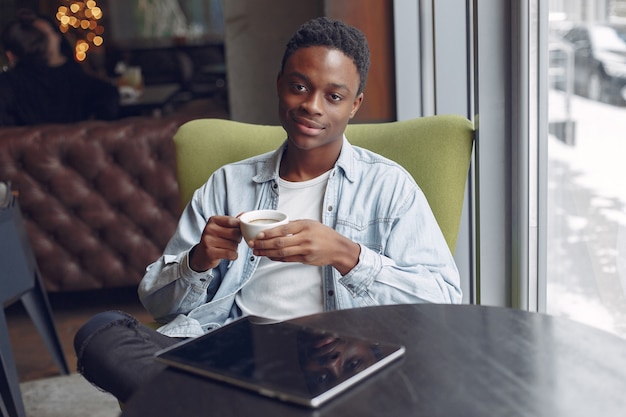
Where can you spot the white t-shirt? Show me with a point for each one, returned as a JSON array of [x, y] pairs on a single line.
[[284, 290]]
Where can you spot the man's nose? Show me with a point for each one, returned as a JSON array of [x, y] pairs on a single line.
[[335, 364], [313, 103]]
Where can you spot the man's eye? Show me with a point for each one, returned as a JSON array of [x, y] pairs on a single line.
[[299, 87], [352, 364], [335, 97], [322, 378]]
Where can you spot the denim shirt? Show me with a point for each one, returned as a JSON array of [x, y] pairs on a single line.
[[369, 199]]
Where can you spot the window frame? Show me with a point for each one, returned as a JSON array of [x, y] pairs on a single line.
[[499, 83]]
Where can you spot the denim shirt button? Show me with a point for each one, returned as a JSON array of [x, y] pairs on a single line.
[[329, 208], [252, 259], [350, 286], [331, 293]]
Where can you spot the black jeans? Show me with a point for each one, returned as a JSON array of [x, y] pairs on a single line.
[[116, 353]]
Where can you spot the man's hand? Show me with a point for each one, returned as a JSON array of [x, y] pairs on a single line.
[[308, 242], [219, 240]]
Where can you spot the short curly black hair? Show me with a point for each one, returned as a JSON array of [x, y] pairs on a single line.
[[335, 34]]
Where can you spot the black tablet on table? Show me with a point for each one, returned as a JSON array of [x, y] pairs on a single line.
[[282, 360]]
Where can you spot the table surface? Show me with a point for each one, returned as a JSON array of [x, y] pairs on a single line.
[[154, 100], [151, 95], [461, 360]]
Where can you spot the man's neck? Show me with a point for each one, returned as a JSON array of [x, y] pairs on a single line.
[[297, 165]]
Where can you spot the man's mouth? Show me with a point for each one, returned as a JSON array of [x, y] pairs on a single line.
[[308, 126]]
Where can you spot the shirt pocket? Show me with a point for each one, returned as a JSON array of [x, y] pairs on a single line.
[[370, 232]]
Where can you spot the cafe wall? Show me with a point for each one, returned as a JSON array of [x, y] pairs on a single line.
[[256, 32]]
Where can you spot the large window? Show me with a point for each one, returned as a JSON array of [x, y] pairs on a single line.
[[546, 90], [586, 197]]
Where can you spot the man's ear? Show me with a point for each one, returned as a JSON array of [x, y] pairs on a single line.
[[12, 58], [356, 105], [278, 77]]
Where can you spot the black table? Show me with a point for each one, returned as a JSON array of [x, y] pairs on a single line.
[[461, 360], [153, 100]]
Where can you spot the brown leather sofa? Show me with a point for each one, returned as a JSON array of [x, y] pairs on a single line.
[[100, 199]]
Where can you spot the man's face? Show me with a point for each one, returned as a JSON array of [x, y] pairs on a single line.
[[317, 95], [327, 359], [54, 38]]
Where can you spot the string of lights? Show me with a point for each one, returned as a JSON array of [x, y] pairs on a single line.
[[81, 18]]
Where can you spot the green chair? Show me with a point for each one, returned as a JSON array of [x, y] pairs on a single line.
[[436, 150]]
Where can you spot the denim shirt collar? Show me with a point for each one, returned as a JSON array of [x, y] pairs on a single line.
[[270, 169]]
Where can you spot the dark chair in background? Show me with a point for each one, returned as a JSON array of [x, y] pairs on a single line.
[[20, 280]]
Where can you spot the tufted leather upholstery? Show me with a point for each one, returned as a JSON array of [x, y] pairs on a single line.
[[100, 199]]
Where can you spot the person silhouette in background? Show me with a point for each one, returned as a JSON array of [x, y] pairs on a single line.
[[43, 83]]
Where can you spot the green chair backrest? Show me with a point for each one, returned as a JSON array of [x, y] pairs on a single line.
[[436, 150]]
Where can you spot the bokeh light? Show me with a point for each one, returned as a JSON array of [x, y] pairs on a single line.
[[81, 19]]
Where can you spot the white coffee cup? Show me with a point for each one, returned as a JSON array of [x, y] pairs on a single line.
[[254, 222]]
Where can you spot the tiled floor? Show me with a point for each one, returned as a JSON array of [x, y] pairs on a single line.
[[70, 311]]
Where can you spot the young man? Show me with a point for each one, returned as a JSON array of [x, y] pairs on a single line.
[[362, 232]]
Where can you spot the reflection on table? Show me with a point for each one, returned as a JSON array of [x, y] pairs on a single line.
[[461, 360]]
